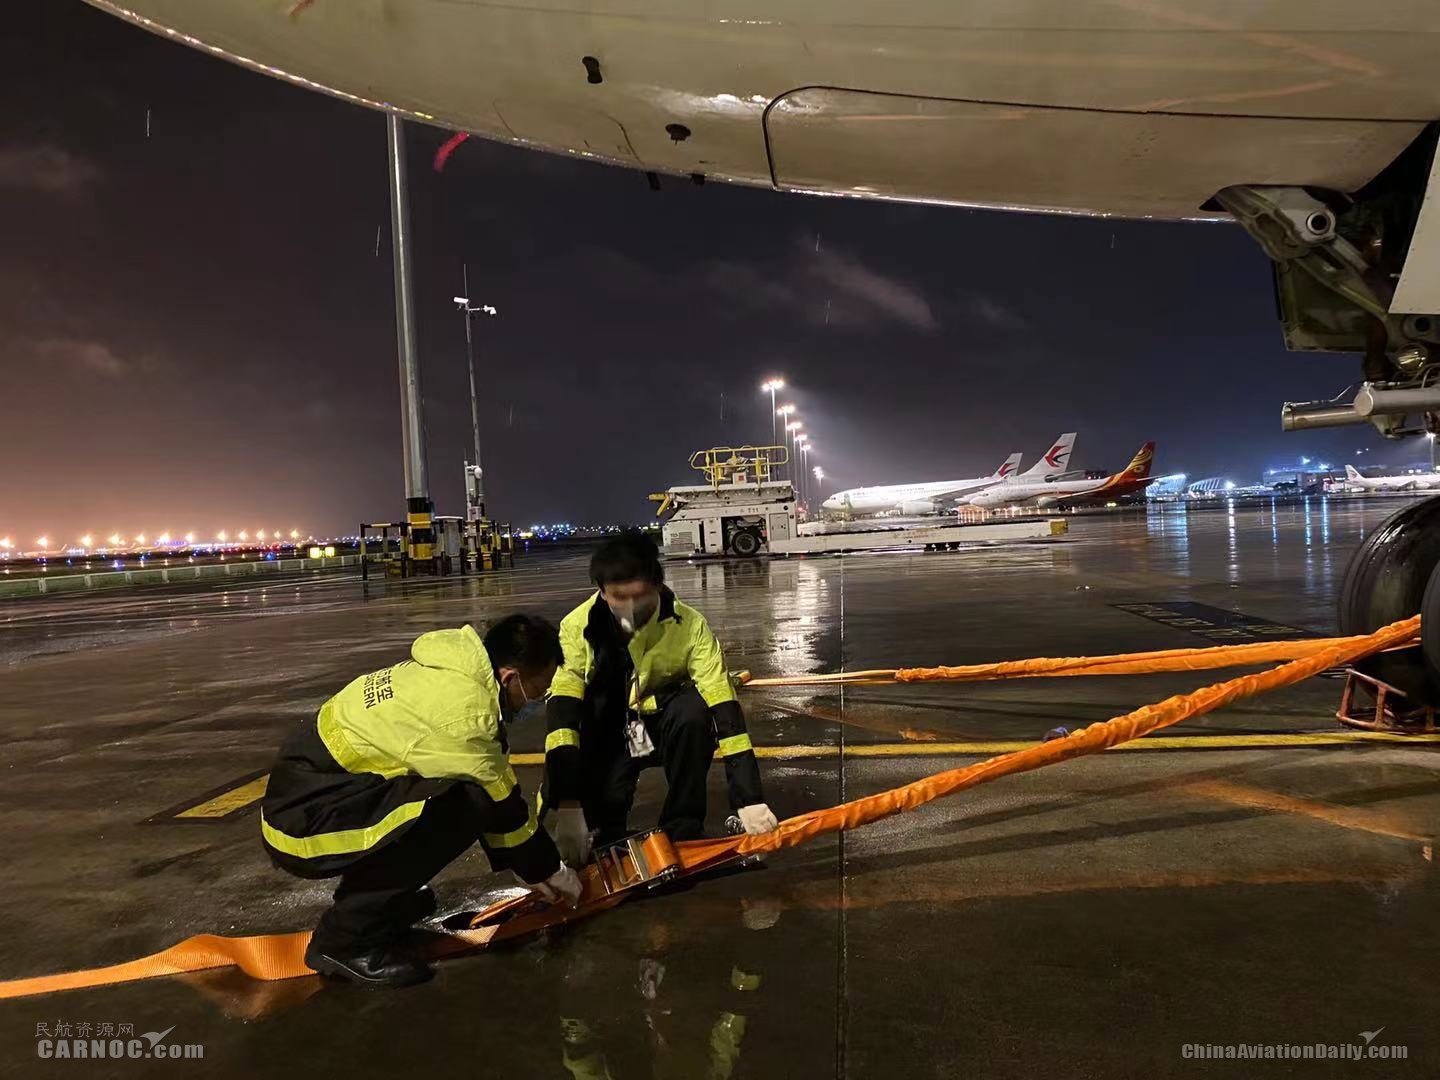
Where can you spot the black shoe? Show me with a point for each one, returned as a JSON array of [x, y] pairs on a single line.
[[378, 968]]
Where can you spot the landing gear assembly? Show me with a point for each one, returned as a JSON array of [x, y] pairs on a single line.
[[1361, 274]]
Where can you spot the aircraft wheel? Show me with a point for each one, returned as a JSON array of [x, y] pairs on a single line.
[[1393, 576]]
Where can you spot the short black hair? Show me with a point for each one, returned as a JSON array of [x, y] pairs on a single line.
[[527, 643], [631, 556]]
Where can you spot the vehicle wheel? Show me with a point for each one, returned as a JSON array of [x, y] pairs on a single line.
[[1390, 578], [745, 544]]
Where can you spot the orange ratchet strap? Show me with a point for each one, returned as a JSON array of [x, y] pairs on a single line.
[[618, 875], [1146, 663]]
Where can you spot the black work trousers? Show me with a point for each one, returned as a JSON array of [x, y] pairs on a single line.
[[378, 897], [684, 738]]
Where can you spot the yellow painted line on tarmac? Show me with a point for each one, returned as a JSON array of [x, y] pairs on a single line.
[[1153, 742], [228, 802]]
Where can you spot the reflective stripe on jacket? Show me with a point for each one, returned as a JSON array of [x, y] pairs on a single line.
[[360, 772], [674, 650]]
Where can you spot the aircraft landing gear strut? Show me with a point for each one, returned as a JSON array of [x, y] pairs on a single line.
[[1340, 264]]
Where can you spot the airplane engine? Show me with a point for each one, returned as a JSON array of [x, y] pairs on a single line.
[[1047, 503], [916, 507]]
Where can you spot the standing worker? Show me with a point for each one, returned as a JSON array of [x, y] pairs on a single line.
[[398, 774], [643, 684]]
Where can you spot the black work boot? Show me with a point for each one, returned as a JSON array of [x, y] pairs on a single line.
[[376, 967], [416, 907]]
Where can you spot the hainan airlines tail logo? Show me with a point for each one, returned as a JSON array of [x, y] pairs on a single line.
[[1057, 455], [1140, 463]]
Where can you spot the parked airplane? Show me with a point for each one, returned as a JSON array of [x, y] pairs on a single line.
[[1134, 477], [1051, 466], [927, 498], [1052, 463], [1414, 482]]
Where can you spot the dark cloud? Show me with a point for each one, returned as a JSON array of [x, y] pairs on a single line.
[[824, 287], [46, 168], [85, 357], [990, 312], [859, 295]]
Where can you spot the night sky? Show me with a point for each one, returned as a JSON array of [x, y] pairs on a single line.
[[197, 330]]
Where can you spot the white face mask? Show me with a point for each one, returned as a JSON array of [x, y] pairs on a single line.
[[632, 616]]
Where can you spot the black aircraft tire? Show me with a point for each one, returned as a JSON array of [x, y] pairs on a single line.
[[1430, 626], [1389, 579]]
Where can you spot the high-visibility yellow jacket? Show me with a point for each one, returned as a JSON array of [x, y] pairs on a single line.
[[675, 650], [359, 773]]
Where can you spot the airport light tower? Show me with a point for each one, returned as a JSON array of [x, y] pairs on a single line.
[[783, 412], [791, 430], [474, 474], [772, 385], [799, 443]]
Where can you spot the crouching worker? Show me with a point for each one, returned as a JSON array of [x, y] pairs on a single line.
[[643, 684], [396, 777]]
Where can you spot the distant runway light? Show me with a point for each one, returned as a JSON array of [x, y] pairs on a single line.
[[86, 540]]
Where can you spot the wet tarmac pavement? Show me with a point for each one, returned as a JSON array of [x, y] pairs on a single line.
[[1089, 919]]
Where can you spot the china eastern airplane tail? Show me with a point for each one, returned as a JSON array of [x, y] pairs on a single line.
[[1007, 467], [1054, 461]]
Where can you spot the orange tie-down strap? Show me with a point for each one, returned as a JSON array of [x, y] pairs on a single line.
[[281, 956], [1204, 658]]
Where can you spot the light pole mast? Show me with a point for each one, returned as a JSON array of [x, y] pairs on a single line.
[[772, 385], [474, 473], [782, 437]]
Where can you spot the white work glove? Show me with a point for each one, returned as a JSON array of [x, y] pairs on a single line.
[[758, 818], [563, 884], [572, 835]]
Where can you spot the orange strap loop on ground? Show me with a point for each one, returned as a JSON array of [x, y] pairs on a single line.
[[1145, 663], [280, 956]]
